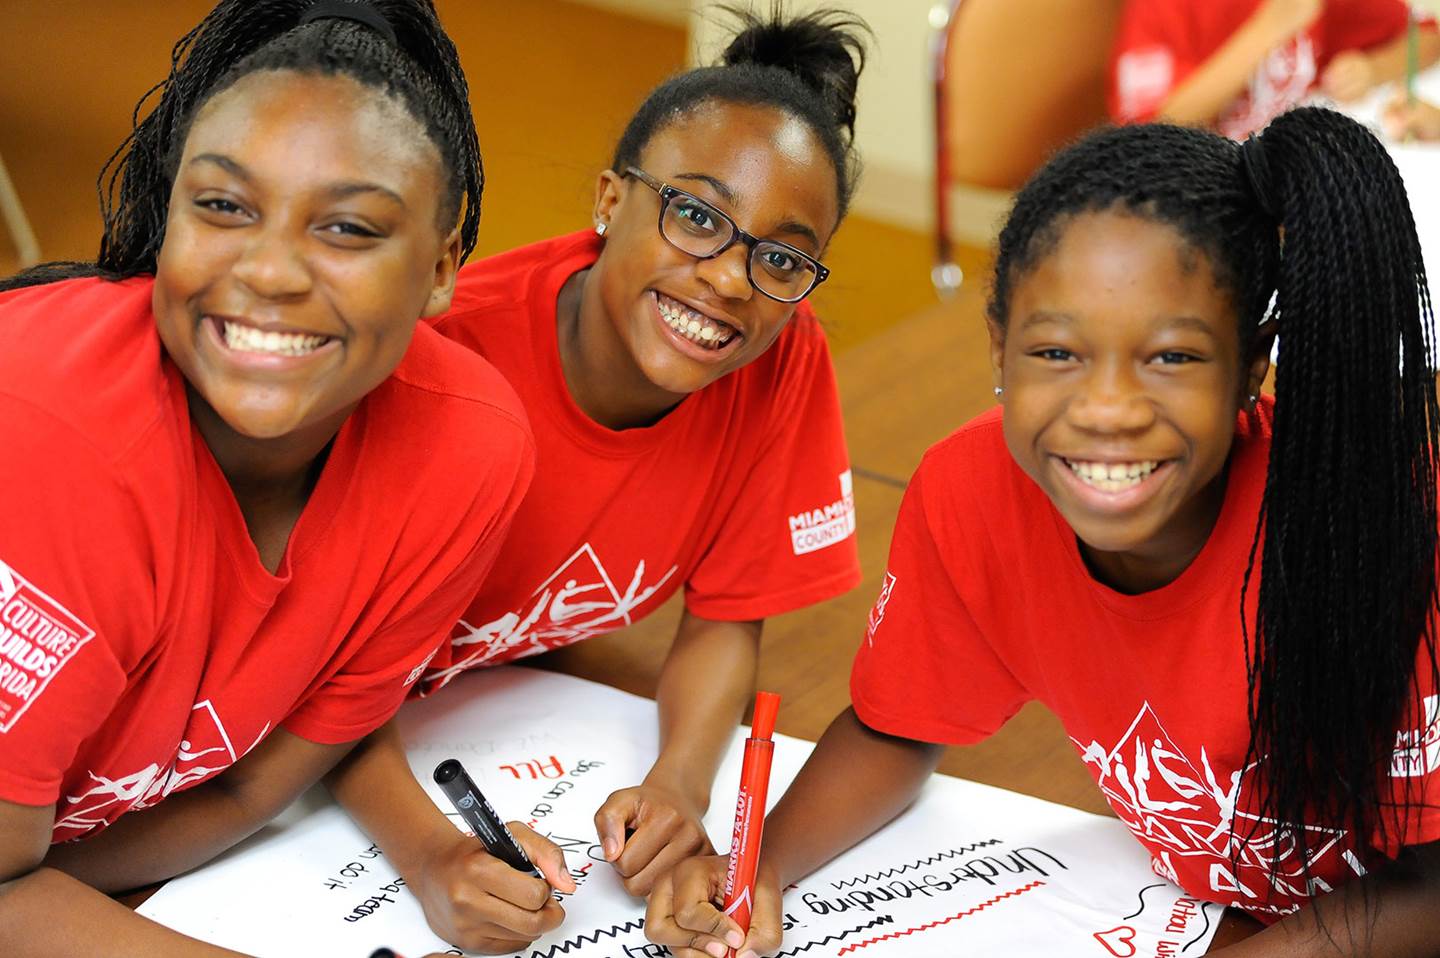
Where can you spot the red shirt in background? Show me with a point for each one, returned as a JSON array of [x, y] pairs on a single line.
[[741, 493], [987, 604], [1159, 43], [143, 646]]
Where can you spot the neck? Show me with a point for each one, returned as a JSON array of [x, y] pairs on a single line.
[[1163, 559], [264, 469], [601, 374]]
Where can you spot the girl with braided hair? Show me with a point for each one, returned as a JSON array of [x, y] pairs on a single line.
[[246, 492], [1229, 601], [689, 435]]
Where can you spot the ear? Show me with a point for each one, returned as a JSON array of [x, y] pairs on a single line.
[[607, 194], [1259, 362], [442, 287], [997, 351]]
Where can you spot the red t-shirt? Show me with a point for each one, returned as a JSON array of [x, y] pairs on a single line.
[[987, 604], [1159, 43], [741, 493], [143, 646]]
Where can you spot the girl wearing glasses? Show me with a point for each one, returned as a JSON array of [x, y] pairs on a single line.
[[688, 433]]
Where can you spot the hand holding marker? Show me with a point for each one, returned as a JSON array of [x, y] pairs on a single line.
[[480, 816], [750, 811]]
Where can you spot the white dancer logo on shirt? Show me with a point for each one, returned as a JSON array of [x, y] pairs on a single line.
[[38, 636], [204, 751], [1280, 81], [1187, 810], [577, 601], [814, 529]]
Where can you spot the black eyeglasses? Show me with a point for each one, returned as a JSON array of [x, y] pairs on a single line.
[[693, 226]]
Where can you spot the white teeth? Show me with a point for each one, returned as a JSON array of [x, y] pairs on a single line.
[[1114, 476], [694, 326], [248, 339]]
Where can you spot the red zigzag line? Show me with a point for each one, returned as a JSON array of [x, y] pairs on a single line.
[[944, 921]]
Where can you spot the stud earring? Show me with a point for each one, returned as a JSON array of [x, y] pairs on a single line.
[[600, 229], [1251, 400], [999, 391]]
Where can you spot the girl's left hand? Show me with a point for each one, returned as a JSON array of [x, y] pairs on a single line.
[[664, 828]]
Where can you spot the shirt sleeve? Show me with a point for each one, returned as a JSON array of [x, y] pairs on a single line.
[[924, 670], [371, 684], [1150, 59], [1414, 773], [789, 540], [77, 598]]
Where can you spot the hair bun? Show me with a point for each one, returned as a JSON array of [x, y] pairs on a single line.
[[824, 49]]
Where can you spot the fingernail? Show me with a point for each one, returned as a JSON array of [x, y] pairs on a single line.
[[734, 938], [716, 949], [611, 850]]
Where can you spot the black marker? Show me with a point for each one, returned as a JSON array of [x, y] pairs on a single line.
[[450, 775], [383, 953]]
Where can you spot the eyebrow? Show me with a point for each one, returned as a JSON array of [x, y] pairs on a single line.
[[1193, 323], [729, 196], [337, 191]]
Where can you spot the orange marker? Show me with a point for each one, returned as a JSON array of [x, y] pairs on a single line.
[[750, 811]]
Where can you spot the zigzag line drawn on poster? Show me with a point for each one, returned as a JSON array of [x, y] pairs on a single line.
[[944, 921], [1204, 913], [932, 859], [593, 938], [1137, 912], [882, 920]]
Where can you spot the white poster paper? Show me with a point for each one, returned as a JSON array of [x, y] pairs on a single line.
[[967, 870]]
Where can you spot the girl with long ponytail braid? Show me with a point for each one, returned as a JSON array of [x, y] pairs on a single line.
[[1229, 600], [246, 492]]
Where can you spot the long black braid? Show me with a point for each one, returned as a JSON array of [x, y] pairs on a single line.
[[1347, 531], [420, 68]]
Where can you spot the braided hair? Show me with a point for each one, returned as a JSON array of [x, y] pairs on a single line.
[[808, 66], [1313, 214], [419, 67]]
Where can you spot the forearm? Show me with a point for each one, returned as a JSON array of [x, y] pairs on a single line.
[[186, 830], [1391, 61], [1202, 95], [46, 914], [191, 827], [855, 781], [1395, 913], [705, 684], [375, 786]]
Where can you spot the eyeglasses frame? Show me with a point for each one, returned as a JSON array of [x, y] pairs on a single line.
[[738, 235]]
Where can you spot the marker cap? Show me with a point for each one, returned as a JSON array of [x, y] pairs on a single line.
[[767, 705]]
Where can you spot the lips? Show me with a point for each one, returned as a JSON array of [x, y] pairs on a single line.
[[705, 331]]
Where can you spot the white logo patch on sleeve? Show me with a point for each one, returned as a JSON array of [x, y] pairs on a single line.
[[814, 529], [37, 637]]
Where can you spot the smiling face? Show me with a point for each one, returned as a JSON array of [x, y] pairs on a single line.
[[769, 173], [1122, 377], [301, 247]]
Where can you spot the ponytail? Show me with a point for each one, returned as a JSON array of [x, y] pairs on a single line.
[[1347, 535]]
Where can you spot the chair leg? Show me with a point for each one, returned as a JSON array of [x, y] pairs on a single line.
[[13, 213]]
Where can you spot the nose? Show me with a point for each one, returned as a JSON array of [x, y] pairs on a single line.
[[272, 264], [1110, 400], [726, 274]]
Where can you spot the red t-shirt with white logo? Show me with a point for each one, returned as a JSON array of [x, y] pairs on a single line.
[[143, 646], [1159, 43], [741, 494], [987, 604]]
